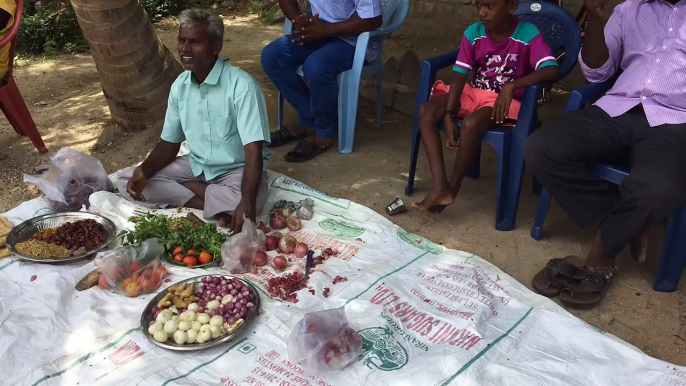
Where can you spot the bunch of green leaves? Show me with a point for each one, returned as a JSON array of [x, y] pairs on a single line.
[[50, 31], [170, 235], [158, 9]]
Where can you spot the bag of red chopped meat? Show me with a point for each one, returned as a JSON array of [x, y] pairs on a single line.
[[324, 342], [70, 180]]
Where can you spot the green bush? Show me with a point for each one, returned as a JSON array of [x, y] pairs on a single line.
[[157, 9]]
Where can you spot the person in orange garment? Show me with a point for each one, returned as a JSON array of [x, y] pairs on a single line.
[[7, 10]]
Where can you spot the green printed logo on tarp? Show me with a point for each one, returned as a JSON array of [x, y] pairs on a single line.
[[341, 228], [381, 350], [420, 242]]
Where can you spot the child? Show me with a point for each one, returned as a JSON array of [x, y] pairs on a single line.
[[505, 55]]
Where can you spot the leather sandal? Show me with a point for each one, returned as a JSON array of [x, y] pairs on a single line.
[[283, 136]]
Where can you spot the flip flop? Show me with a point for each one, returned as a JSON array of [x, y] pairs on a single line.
[[587, 292], [305, 150], [556, 275], [283, 136]]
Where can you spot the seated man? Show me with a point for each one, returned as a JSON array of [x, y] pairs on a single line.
[[640, 122], [221, 112], [7, 10], [324, 44]]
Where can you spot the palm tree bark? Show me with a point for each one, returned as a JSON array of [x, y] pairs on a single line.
[[136, 70]]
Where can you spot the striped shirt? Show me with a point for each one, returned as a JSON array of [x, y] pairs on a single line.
[[336, 11], [495, 63], [646, 40]]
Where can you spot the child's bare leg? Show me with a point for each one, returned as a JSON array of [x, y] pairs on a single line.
[[430, 114], [473, 128]]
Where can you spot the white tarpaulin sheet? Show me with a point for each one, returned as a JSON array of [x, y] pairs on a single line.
[[427, 316]]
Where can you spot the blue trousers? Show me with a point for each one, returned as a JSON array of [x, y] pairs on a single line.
[[316, 99]]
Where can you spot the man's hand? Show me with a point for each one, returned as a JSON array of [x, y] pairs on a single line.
[[501, 108], [243, 208], [136, 185], [597, 8], [452, 136], [311, 29]]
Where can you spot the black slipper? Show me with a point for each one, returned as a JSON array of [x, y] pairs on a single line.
[[305, 150], [283, 136], [586, 292]]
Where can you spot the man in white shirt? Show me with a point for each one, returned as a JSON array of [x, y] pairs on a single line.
[[324, 44]]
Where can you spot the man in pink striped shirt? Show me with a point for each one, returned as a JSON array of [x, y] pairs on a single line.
[[640, 122]]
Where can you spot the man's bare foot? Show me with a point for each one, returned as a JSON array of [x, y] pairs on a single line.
[[596, 263], [639, 247], [224, 220], [435, 201]]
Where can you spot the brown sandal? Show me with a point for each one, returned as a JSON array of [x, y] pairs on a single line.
[[587, 292], [556, 274]]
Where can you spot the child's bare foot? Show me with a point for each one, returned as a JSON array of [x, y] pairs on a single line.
[[639, 247], [435, 201]]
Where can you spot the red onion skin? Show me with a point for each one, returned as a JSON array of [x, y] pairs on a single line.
[[300, 250], [280, 262], [261, 259], [271, 243], [277, 221]]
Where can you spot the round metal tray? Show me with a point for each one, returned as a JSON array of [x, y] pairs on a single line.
[[28, 228], [146, 318]]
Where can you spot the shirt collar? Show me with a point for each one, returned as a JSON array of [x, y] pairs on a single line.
[[662, 1], [214, 75]]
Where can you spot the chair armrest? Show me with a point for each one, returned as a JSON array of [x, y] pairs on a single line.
[[427, 77], [14, 29], [582, 95], [287, 26]]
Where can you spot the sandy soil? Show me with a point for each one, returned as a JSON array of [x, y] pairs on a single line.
[[66, 102]]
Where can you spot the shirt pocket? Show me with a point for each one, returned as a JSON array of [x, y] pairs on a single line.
[[224, 127]]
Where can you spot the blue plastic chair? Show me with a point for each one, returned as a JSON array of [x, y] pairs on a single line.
[[562, 34], [673, 258], [394, 14]]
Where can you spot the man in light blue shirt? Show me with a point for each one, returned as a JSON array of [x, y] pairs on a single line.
[[324, 44], [220, 111]]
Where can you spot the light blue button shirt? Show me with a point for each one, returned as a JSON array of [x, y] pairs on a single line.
[[217, 118], [336, 11]]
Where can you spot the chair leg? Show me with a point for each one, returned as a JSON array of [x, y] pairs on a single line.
[[474, 169], [541, 212], [349, 90], [536, 186], [19, 116], [279, 114], [503, 222], [673, 258], [414, 153], [379, 99]]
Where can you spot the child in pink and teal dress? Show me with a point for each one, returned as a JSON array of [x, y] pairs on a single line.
[[505, 55]]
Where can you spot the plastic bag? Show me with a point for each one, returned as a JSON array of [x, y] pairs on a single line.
[[323, 341], [132, 270], [70, 180], [238, 252]]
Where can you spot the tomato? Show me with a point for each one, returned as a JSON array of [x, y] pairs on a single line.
[[191, 252], [103, 283], [190, 261], [177, 250], [204, 257], [135, 266], [178, 257], [132, 290], [126, 283]]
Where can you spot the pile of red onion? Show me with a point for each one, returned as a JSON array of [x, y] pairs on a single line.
[[286, 286], [235, 298]]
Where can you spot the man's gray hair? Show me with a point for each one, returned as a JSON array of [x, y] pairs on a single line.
[[191, 18]]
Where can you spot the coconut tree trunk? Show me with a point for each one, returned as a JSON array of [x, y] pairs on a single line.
[[136, 70]]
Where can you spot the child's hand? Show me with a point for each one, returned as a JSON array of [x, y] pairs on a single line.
[[452, 137], [501, 108]]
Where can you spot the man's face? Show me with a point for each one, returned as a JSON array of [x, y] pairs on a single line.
[[494, 13], [197, 50]]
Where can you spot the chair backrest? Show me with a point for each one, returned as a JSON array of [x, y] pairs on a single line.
[[388, 8], [11, 37], [559, 28]]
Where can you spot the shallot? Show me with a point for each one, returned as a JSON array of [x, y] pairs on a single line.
[[280, 262], [287, 244], [294, 223], [300, 250]]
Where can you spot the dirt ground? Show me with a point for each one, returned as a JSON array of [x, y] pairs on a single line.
[[66, 101]]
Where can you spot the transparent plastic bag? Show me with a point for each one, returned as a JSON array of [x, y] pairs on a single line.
[[323, 341], [132, 270], [238, 252], [70, 180]]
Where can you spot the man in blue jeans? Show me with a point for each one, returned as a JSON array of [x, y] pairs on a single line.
[[324, 44]]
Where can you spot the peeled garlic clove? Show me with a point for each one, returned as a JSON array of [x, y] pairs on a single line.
[[191, 336], [193, 307], [160, 336], [180, 337], [216, 332], [217, 320], [171, 326], [195, 325]]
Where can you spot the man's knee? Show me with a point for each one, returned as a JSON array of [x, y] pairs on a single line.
[[474, 125], [123, 181], [272, 53], [539, 147], [315, 72], [426, 112]]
